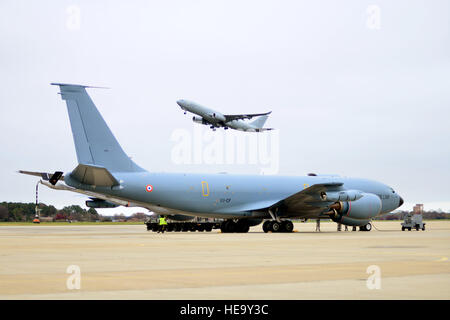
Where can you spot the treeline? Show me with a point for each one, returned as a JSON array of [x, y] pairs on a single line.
[[426, 215], [18, 211], [25, 212]]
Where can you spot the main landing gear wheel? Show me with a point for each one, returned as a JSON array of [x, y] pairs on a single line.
[[229, 226], [287, 226], [366, 227], [266, 226], [275, 226]]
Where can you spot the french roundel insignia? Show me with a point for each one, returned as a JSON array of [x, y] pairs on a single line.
[[149, 188]]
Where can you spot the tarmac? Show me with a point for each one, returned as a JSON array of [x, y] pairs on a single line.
[[128, 262]]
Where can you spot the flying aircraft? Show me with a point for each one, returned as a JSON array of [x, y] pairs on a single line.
[[110, 178], [216, 119]]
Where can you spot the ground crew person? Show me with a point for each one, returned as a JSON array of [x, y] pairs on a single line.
[[162, 224], [318, 225]]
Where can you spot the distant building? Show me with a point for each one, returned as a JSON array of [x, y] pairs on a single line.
[[418, 208]]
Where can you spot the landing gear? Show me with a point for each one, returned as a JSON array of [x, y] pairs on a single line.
[[266, 226], [275, 226], [229, 226], [287, 226], [243, 227], [366, 227]]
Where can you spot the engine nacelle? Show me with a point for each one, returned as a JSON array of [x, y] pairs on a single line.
[[357, 212], [199, 120], [345, 195], [98, 203]]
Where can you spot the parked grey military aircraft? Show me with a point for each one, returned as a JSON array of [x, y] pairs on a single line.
[[110, 178], [216, 119]]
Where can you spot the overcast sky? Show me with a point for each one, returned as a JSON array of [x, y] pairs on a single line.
[[357, 88]]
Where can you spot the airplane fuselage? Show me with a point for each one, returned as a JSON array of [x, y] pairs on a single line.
[[214, 118], [224, 195]]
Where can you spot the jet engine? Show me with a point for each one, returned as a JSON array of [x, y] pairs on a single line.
[[98, 203], [199, 120], [356, 213]]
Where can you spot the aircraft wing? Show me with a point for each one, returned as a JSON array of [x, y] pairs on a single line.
[[306, 202], [309, 198], [231, 117]]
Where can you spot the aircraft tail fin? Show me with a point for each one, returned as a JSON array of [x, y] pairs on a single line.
[[95, 144], [260, 121]]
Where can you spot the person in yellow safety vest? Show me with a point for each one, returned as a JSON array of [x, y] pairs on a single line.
[[162, 224]]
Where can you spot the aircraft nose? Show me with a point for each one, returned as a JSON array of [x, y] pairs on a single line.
[[400, 202], [180, 103]]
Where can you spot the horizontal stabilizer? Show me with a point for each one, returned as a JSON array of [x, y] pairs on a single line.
[[94, 175], [260, 121], [76, 85], [58, 175]]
